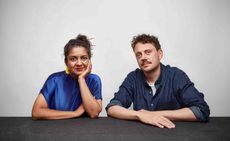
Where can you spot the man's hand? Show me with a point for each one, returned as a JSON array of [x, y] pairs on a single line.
[[153, 118]]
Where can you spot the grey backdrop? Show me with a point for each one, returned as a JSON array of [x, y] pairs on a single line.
[[194, 34]]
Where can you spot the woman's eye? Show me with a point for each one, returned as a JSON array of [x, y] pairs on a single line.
[[73, 59], [84, 58]]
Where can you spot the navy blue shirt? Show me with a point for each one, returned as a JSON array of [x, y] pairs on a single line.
[[62, 92], [174, 90]]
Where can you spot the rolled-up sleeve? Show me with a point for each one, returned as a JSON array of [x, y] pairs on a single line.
[[192, 98], [124, 95], [48, 89], [96, 86]]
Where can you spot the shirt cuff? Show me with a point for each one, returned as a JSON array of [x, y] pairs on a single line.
[[113, 103], [197, 112]]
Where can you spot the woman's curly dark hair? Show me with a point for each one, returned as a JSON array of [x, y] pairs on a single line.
[[81, 41]]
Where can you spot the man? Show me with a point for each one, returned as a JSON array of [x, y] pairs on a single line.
[[160, 94]]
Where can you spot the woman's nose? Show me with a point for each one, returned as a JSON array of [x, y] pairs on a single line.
[[79, 62]]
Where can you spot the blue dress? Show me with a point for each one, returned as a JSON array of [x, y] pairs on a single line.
[[62, 92]]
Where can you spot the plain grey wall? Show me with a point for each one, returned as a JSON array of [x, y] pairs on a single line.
[[194, 34]]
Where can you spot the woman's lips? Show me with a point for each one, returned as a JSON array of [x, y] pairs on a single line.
[[79, 69]]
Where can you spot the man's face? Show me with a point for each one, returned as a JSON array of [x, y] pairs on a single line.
[[148, 58]]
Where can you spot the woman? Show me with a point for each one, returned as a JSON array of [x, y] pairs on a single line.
[[74, 92]]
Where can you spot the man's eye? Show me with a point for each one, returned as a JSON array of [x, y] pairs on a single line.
[[148, 52], [138, 55]]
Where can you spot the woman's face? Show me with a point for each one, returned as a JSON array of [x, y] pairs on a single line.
[[77, 60]]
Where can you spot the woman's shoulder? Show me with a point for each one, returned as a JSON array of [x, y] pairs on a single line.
[[94, 77], [57, 75]]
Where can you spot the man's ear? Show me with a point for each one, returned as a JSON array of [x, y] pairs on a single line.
[[160, 53]]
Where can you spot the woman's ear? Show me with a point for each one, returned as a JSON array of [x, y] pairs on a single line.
[[67, 70], [65, 61]]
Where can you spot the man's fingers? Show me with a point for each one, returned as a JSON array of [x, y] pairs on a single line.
[[159, 125], [167, 123]]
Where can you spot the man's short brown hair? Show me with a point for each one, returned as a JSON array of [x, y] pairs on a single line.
[[146, 38]]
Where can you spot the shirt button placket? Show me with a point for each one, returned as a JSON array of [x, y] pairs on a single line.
[[152, 106], [150, 92]]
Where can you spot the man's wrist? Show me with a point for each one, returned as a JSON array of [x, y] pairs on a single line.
[[138, 115]]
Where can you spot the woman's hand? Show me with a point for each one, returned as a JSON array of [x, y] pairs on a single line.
[[80, 110], [87, 71]]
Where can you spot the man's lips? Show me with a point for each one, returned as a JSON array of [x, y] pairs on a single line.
[[145, 64]]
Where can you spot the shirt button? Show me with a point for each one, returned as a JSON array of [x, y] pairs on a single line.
[[150, 92], [152, 104]]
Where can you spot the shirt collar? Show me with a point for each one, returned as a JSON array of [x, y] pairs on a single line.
[[162, 72], [159, 80]]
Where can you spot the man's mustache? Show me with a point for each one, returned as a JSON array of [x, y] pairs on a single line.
[[145, 62]]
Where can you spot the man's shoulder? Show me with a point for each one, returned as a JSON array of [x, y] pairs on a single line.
[[174, 72], [135, 73], [172, 69]]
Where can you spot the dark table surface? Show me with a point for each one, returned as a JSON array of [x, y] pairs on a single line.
[[105, 128]]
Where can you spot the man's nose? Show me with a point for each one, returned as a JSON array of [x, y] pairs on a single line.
[[143, 57]]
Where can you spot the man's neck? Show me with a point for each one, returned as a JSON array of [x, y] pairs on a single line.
[[153, 75]]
